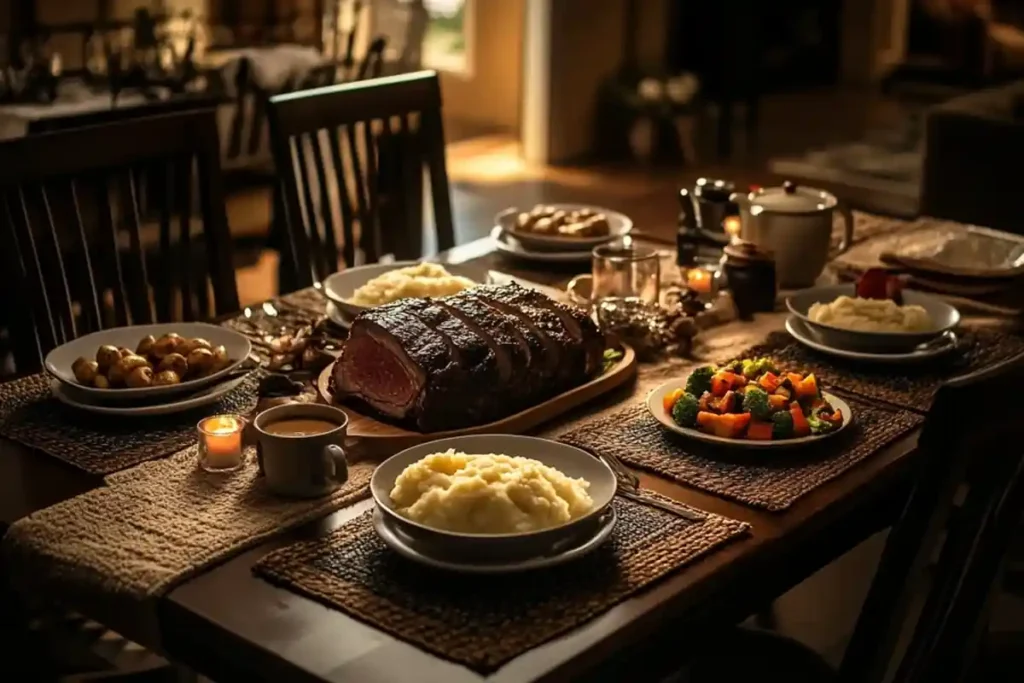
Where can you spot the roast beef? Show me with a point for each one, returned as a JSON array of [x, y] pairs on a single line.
[[466, 359]]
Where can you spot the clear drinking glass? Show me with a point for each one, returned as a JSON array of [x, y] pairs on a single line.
[[626, 278]]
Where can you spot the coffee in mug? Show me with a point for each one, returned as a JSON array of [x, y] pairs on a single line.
[[300, 447]]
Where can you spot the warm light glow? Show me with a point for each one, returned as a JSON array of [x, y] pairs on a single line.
[[220, 441], [699, 280], [731, 225]]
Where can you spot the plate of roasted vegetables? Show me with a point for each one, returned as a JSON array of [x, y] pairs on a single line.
[[749, 403]]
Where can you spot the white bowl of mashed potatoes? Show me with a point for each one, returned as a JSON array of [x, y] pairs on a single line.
[[493, 496], [835, 316], [354, 290]]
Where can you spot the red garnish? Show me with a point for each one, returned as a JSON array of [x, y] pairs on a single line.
[[878, 283]]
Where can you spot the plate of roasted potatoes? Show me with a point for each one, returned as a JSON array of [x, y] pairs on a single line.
[[146, 361]]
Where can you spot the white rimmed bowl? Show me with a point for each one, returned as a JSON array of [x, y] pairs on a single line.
[[944, 318], [59, 361], [571, 461], [339, 287]]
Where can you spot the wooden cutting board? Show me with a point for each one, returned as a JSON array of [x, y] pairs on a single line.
[[371, 436]]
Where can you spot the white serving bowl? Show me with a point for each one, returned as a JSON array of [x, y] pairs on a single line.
[[59, 361], [571, 461], [944, 318], [339, 287]]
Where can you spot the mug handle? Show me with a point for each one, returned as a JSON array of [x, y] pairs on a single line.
[[847, 214], [335, 463]]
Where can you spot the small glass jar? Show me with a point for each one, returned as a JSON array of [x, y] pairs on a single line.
[[220, 442], [750, 272]]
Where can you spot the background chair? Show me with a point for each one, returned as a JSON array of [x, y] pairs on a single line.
[[986, 458], [76, 243], [351, 159]]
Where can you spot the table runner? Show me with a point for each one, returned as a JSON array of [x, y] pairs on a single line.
[[478, 621], [909, 386], [771, 481], [156, 525], [101, 444]]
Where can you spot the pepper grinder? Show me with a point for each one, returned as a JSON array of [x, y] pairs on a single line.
[[687, 233]]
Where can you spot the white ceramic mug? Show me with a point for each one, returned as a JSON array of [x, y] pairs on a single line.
[[302, 465]]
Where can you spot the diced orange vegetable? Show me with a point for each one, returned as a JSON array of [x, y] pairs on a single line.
[[738, 380], [704, 402], [800, 425], [730, 425], [769, 381], [759, 431], [670, 399], [726, 404], [721, 382], [807, 388], [834, 417], [794, 378], [778, 401]]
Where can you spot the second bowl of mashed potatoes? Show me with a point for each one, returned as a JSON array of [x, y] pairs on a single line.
[[492, 493]]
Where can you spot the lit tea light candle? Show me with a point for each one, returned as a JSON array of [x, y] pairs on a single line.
[[731, 225], [220, 442], [699, 280]]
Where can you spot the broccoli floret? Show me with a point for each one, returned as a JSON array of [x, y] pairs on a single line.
[[755, 367], [755, 402], [684, 412], [699, 380], [782, 425], [819, 426]]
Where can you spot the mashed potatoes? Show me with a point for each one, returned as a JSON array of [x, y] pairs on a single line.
[[871, 315], [423, 279], [488, 494]]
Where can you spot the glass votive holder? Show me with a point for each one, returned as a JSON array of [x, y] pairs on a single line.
[[220, 442]]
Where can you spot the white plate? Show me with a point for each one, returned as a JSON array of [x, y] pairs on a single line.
[[339, 287], [65, 395], [654, 405], [415, 551], [619, 226], [58, 362], [933, 349], [337, 316], [510, 246]]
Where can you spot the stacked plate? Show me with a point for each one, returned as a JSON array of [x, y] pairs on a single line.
[[876, 347], [497, 553], [544, 248], [152, 400]]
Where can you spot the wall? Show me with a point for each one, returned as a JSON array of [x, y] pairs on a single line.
[[585, 49], [490, 96]]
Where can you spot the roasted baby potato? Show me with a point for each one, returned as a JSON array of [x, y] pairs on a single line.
[[85, 370], [139, 377], [166, 377], [145, 346], [101, 382], [120, 370], [174, 362], [106, 356], [165, 346], [191, 345], [200, 361]]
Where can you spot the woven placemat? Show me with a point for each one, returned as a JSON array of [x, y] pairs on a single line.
[[155, 525], [482, 622], [769, 480], [911, 386], [101, 444]]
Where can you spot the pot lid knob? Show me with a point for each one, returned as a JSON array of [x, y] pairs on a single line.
[[789, 187]]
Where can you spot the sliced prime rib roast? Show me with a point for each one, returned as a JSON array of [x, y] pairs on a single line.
[[468, 358]]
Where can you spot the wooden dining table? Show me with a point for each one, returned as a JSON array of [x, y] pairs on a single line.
[[231, 625]]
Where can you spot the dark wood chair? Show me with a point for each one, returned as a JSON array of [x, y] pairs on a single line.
[[75, 243], [983, 455], [351, 159]]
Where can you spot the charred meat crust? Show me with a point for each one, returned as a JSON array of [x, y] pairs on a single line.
[[466, 359]]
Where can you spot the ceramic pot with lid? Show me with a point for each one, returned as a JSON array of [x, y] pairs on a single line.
[[795, 224]]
